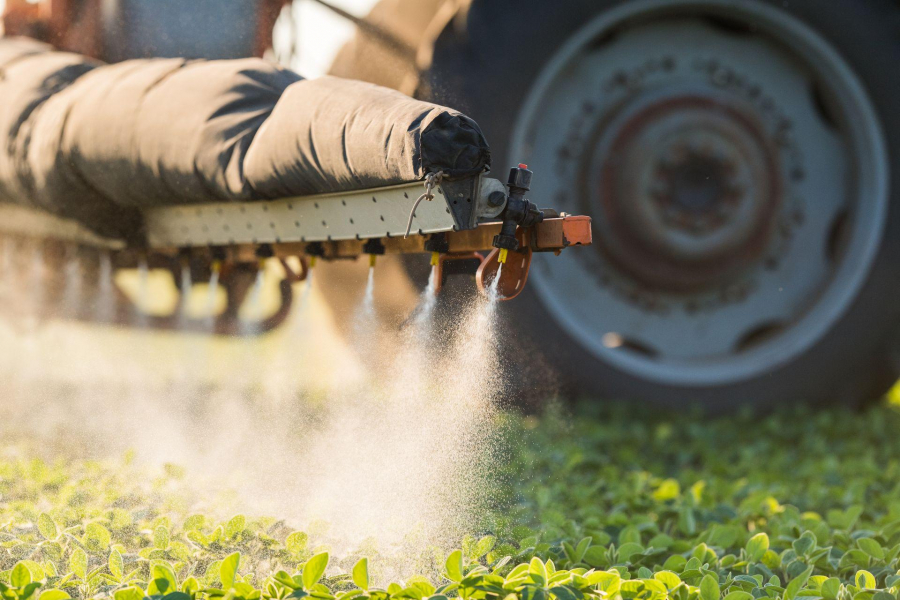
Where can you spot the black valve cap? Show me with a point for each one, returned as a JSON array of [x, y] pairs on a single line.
[[520, 177], [506, 241]]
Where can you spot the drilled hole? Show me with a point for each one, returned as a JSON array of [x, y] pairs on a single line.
[[758, 335], [602, 40], [825, 105], [838, 236]]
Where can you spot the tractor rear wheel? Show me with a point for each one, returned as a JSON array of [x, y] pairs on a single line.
[[736, 158]]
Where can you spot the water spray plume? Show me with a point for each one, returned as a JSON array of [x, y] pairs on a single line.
[[212, 293], [301, 426]]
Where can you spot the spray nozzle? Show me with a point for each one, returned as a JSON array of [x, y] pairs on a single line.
[[373, 247], [314, 250]]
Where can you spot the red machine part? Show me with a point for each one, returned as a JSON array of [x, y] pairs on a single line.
[[77, 25], [551, 235]]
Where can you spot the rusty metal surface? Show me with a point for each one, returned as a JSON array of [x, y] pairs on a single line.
[[440, 269], [513, 275]]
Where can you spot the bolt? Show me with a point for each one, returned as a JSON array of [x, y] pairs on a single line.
[[496, 198]]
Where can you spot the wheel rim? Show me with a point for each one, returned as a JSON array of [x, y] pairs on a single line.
[[737, 176]]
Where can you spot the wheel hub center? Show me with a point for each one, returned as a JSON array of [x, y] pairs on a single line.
[[694, 188], [688, 184]]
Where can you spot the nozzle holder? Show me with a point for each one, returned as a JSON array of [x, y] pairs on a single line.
[[314, 249], [374, 246], [265, 251], [438, 242], [519, 212], [218, 253]]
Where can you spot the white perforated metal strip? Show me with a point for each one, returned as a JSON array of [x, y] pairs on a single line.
[[374, 213]]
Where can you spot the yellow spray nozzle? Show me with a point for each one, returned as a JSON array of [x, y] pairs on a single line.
[[261, 263], [435, 257], [312, 261], [373, 258], [501, 257], [216, 266]]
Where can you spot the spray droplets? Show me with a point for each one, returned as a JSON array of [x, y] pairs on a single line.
[[352, 442]]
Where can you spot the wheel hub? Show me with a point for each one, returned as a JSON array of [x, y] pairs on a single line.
[[688, 185], [722, 149]]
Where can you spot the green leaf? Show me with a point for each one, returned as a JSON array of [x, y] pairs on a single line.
[[484, 545], [805, 544], [796, 584], [20, 576], [296, 542], [865, 580], [96, 537], [194, 523], [228, 570], [667, 490], [757, 546], [830, 588], [161, 537], [190, 586], [739, 595], [871, 547], [453, 566], [116, 565], [78, 563], [314, 569], [129, 593], [709, 588], [538, 568], [361, 574], [286, 580], [235, 526], [158, 586], [668, 579], [629, 549], [46, 526], [163, 570], [54, 595]]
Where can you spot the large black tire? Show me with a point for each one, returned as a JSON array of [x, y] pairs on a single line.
[[485, 65]]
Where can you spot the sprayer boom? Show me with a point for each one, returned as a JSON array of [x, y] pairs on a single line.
[[456, 221]]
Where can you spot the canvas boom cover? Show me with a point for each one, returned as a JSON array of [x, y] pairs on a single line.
[[99, 142]]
